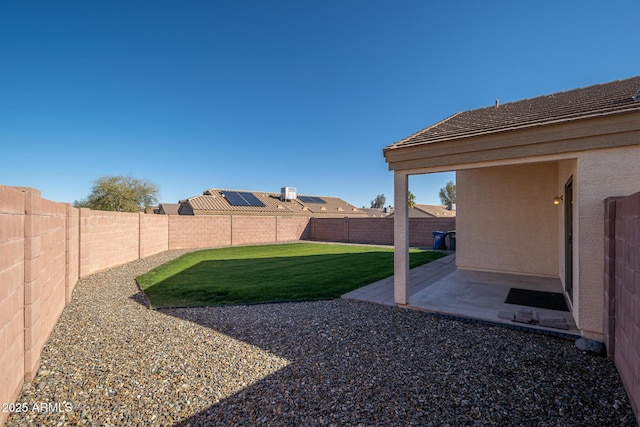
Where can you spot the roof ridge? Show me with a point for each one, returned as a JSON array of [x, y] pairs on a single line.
[[562, 92]]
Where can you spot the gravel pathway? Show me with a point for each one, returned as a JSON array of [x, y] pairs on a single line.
[[110, 361]]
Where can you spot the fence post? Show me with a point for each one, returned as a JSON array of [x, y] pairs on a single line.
[[345, 229], [610, 276]]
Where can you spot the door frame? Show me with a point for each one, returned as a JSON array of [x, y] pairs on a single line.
[[568, 238]]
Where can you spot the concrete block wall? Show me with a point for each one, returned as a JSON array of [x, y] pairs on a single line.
[[72, 255], [377, 231], [289, 229], [330, 229], [33, 282], [107, 239], [12, 251], [610, 276], [421, 229], [249, 230], [193, 232], [154, 234], [45, 274], [622, 291]]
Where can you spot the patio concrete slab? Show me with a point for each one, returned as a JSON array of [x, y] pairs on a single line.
[[481, 295], [439, 287], [381, 292]]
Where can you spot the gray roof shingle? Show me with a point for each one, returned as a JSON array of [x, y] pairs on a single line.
[[598, 100]]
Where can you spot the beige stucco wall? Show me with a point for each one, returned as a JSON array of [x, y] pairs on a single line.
[[506, 221], [601, 174]]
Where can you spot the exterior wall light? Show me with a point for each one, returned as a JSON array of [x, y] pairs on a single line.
[[557, 200]]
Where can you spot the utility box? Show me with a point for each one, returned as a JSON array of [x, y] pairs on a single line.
[[288, 193]]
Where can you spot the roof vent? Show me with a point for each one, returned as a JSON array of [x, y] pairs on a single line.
[[287, 193], [497, 103], [636, 97]]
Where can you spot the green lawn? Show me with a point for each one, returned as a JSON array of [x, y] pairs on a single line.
[[252, 274]]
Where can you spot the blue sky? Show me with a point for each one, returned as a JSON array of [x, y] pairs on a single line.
[[258, 95]]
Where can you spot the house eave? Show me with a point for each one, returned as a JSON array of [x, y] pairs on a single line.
[[599, 132]]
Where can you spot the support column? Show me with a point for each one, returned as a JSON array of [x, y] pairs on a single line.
[[401, 238]]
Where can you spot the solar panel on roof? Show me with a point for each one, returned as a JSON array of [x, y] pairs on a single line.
[[234, 198], [311, 199], [242, 198]]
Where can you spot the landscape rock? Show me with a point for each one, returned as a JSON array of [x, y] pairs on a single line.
[[110, 361], [585, 344]]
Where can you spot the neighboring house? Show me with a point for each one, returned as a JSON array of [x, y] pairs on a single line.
[[168, 209], [430, 211], [217, 201], [531, 178]]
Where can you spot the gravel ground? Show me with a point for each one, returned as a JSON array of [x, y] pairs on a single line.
[[111, 361]]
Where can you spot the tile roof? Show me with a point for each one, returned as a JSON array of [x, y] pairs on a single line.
[[599, 100], [168, 208], [436, 210], [212, 202], [430, 211], [376, 213]]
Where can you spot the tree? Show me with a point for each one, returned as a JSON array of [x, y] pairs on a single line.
[[411, 200], [378, 202], [121, 194], [448, 193]]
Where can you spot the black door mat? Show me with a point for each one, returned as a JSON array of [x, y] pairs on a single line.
[[540, 299]]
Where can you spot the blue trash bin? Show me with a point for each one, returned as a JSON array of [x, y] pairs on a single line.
[[439, 240]]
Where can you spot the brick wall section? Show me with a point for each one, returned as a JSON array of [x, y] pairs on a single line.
[[622, 291], [154, 234], [253, 230], [421, 229], [12, 207], [107, 239], [329, 229], [32, 285], [72, 251], [193, 232], [292, 228], [377, 230], [45, 279], [610, 275]]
